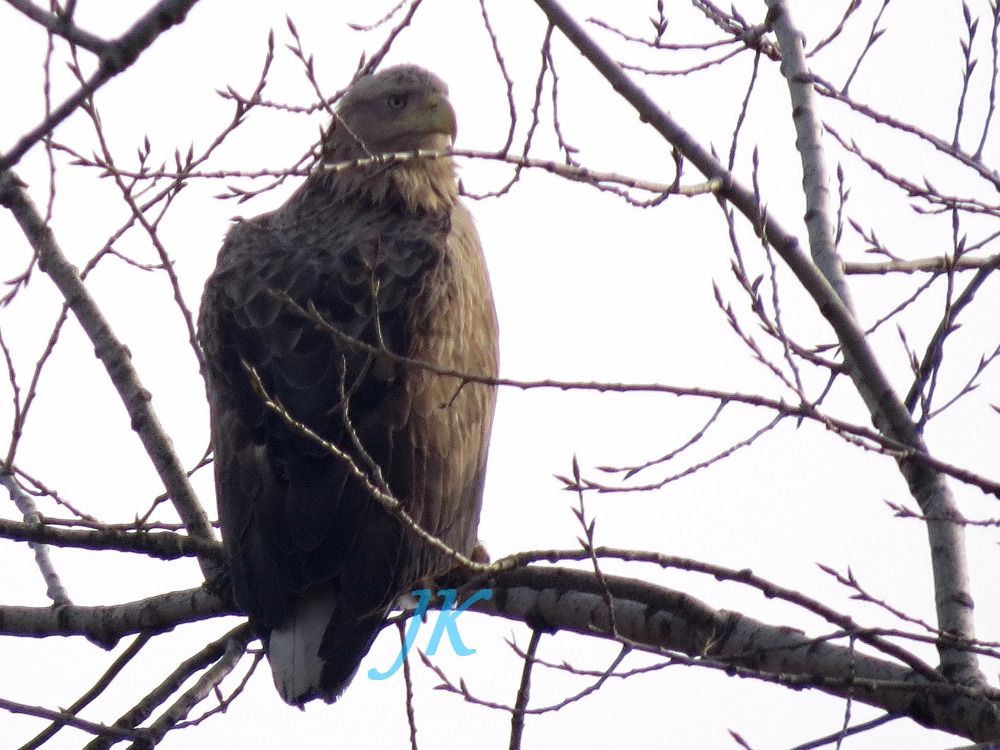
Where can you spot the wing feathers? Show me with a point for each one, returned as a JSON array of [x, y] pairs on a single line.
[[315, 560]]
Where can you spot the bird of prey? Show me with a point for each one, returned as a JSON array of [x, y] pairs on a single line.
[[335, 331]]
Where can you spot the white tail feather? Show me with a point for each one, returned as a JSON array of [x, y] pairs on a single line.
[[293, 649]]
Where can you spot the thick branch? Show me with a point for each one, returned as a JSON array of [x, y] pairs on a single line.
[[60, 26], [106, 624], [954, 602], [815, 182], [646, 616], [661, 620], [946, 537], [113, 355]]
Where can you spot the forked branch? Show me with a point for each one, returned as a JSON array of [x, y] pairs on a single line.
[[926, 484]]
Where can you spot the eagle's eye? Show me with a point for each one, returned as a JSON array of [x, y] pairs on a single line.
[[396, 101]]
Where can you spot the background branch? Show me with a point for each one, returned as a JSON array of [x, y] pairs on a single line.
[[116, 57], [947, 536], [113, 355], [661, 620], [612, 293]]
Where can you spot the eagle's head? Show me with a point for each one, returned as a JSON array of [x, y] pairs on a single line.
[[398, 110]]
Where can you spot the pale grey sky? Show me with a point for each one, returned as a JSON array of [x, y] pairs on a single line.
[[587, 288]]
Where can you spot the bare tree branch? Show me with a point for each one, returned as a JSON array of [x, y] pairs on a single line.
[[661, 620], [235, 645], [815, 180], [53, 585], [927, 485], [523, 692], [106, 624], [63, 717], [62, 26], [113, 354], [116, 56], [219, 657], [106, 679], [163, 545], [944, 264]]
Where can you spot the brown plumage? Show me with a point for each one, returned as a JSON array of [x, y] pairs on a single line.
[[389, 256]]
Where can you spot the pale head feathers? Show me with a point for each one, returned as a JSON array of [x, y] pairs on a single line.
[[398, 110]]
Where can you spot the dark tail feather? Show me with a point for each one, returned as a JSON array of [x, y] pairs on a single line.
[[348, 638]]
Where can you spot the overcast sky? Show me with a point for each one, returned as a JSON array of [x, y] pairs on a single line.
[[587, 288]]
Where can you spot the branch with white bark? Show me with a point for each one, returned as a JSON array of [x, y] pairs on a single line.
[[926, 484], [646, 616]]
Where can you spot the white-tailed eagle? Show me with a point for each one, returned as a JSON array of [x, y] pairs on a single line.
[[342, 308]]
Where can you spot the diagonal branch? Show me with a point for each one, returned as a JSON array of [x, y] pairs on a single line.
[[815, 181], [62, 717], [62, 26], [218, 656], [116, 56], [87, 698], [373, 485], [661, 620], [113, 355], [947, 326], [26, 504], [946, 536], [234, 645], [926, 484]]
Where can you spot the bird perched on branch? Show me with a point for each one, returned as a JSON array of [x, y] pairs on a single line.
[[336, 330]]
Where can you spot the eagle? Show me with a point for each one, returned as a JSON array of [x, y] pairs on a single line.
[[350, 342]]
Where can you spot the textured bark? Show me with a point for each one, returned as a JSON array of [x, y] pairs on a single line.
[[660, 620], [115, 357], [105, 624], [945, 532]]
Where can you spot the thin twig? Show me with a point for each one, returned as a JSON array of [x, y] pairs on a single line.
[[523, 692], [102, 731], [84, 700]]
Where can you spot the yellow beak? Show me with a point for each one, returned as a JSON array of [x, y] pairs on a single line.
[[438, 117]]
